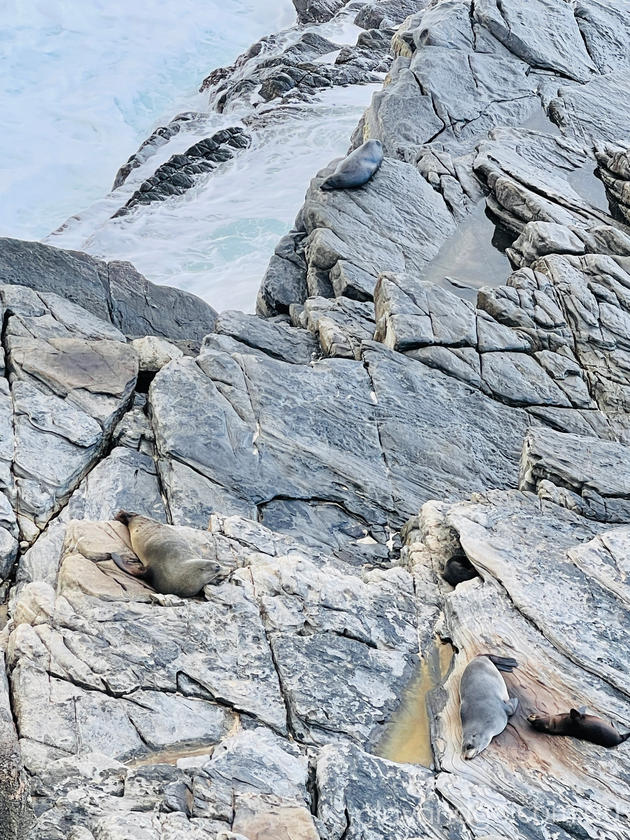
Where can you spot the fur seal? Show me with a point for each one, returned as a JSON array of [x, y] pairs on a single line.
[[578, 724], [165, 559], [357, 168], [484, 702], [458, 569]]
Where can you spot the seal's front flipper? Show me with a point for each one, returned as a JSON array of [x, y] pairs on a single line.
[[511, 706], [132, 566], [503, 663]]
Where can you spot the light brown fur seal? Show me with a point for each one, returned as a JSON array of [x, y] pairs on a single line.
[[165, 559]]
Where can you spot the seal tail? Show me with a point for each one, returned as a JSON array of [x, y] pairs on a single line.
[[503, 663], [624, 737]]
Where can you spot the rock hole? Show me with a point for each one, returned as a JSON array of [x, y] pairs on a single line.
[[145, 378]]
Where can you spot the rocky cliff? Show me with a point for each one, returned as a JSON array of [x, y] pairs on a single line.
[[440, 369]]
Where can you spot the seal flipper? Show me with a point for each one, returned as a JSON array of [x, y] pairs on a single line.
[[578, 714], [510, 706], [131, 566], [503, 663]]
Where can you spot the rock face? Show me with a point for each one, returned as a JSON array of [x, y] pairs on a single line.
[[375, 420], [113, 291]]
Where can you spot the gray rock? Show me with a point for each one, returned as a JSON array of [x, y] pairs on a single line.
[[284, 282], [181, 171], [383, 226], [277, 339], [341, 325], [15, 811], [137, 307], [410, 313], [360, 796], [594, 471], [355, 639], [154, 353], [518, 379], [593, 111], [606, 32], [185, 121], [140, 308], [545, 35], [124, 480], [352, 282], [316, 11], [375, 15]]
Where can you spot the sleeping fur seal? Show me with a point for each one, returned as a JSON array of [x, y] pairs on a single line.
[[484, 702], [165, 559], [578, 724], [357, 168]]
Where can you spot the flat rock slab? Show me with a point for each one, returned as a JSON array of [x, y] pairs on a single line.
[[361, 797], [545, 34], [108, 643], [113, 291], [72, 377], [394, 223], [345, 648]]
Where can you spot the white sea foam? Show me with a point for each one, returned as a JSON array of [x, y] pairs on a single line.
[[82, 82], [216, 239]]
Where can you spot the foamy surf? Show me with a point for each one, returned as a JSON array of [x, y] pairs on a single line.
[[217, 238], [84, 83]]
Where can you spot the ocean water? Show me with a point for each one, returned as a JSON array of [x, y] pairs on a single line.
[[82, 84]]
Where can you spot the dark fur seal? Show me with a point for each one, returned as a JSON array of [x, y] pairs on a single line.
[[578, 724], [458, 569], [165, 559], [356, 169], [484, 702]]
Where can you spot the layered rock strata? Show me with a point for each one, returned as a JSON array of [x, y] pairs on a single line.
[[379, 419]]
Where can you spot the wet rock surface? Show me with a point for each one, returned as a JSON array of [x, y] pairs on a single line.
[[332, 456]]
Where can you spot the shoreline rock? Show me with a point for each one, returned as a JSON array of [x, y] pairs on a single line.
[[332, 456]]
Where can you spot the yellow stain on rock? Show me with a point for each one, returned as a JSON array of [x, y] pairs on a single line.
[[407, 738]]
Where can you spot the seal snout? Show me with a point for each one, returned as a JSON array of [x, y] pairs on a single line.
[[124, 516]]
